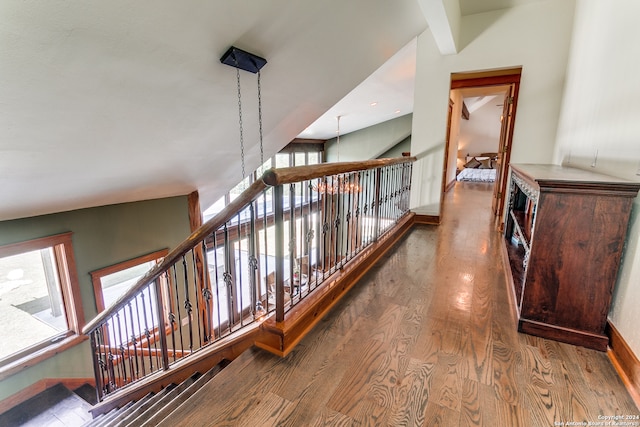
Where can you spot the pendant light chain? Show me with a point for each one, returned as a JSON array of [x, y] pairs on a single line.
[[240, 121], [260, 120]]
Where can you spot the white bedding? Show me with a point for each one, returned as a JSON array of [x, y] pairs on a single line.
[[477, 175]]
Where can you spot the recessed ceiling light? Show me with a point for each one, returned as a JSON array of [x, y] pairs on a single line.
[[374, 103], [397, 111]]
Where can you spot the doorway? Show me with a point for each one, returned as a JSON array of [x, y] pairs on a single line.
[[485, 94]]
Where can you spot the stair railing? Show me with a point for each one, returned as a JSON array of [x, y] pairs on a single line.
[[265, 252]]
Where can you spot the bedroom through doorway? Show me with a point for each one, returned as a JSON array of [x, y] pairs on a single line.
[[482, 108]]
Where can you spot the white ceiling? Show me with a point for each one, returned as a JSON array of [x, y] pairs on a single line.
[[117, 101]]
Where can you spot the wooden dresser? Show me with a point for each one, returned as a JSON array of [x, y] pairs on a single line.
[[564, 234]]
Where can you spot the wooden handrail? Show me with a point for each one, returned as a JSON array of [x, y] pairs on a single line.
[[172, 257], [281, 176], [272, 177]]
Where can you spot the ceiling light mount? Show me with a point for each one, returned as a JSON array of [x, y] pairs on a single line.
[[243, 60]]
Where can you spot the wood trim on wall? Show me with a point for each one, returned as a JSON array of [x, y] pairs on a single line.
[[625, 361], [426, 219]]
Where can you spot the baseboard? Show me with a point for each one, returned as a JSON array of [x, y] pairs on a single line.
[[625, 362], [449, 186], [40, 386], [426, 219]]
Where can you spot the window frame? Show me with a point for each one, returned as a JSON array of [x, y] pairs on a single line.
[[157, 256], [71, 298]]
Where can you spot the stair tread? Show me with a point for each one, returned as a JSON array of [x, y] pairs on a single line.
[[141, 405], [184, 395], [162, 403]]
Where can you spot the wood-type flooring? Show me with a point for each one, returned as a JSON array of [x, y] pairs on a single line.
[[427, 338]]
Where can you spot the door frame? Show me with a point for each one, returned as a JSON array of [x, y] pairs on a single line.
[[488, 78]]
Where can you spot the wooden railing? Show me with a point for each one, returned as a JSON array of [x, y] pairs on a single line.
[[261, 256]]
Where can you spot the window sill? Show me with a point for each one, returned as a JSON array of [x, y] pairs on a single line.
[[40, 355]]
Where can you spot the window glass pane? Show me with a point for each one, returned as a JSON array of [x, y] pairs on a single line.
[[282, 160], [31, 304], [314, 158], [215, 208], [238, 189], [116, 284], [299, 159]]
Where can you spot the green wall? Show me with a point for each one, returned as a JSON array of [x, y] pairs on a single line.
[[102, 236], [397, 150], [371, 142]]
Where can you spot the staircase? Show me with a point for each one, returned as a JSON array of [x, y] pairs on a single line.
[[59, 406], [154, 407]]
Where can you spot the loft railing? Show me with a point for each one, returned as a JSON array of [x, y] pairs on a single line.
[[263, 254]]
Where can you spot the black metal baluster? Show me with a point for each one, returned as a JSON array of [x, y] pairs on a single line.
[[325, 229], [358, 205], [336, 224], [188, 308], [134, 343], [121, 366], [206, 294], [96, 360], [159, 317], [196, 293], [228, 278], [253, 262], [101, 332], [138, 333], [162, 331], [292, 239], [128, 322], [215, 261], [238, 285], [366, 209], [318, 234], [176, 318], [351, 189], [265, 226], [145, 331]]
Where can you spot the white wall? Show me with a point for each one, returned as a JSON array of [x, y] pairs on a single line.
[[600, 115], [535, 36], [481, 133]]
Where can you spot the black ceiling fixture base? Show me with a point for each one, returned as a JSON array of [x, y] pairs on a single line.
[[244, 60]]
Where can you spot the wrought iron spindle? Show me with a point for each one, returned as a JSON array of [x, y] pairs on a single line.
[[238, 284], [145, 331], [162, 331], [176, 315], [215, 262], [206, 294], [228, 278], [188, 308], [196, 263], [253, 262], [135, 367]]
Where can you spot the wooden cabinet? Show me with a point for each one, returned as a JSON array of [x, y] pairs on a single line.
[[564, 234]]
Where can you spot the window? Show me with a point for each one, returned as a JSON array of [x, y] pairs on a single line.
[[40, 304], [110, 283]]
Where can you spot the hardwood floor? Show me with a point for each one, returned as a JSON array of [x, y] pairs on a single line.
[[427, 338]]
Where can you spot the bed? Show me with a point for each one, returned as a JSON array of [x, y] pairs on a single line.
[[479, 169]]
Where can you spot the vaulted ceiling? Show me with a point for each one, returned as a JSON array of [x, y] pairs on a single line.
[[116, 101]]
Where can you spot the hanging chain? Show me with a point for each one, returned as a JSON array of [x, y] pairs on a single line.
[[260, 120], [240, 120]]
